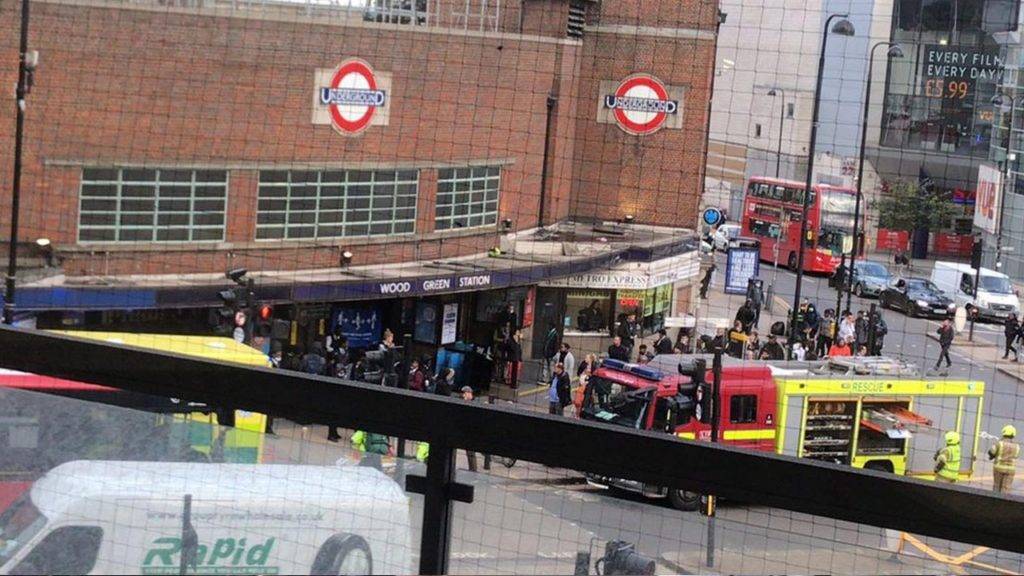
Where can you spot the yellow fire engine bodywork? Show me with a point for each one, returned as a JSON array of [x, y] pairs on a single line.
[[242, 443], [800, 401]]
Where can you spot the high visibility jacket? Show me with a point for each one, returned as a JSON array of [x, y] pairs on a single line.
[[359, 440], [1004, 454], [949, 457]]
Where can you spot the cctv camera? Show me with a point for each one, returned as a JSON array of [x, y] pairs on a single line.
[[236, 275]]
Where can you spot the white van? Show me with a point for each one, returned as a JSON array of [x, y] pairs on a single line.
[[995, 299], [96, 517]]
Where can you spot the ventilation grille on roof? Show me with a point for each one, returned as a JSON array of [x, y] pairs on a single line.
[[577, 19]]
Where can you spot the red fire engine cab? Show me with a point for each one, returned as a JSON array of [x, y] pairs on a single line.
[[646, 398]]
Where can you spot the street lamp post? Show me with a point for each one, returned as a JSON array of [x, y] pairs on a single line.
[[844, 28], [1000, 100], [895, 51], [24, 81], [782, 118]]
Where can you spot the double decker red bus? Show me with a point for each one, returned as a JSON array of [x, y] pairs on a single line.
[[772, 209]]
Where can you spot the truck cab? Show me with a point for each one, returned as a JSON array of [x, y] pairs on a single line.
[[649, 398]]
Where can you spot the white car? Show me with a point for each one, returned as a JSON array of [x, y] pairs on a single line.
[[108, 517], [724, 234]]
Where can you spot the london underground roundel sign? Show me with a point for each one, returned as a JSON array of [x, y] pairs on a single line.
[[641, 104], [352, 96]]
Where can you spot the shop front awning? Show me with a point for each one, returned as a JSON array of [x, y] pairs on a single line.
[[531, 262]]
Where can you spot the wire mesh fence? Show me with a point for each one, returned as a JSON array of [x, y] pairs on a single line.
[[546, 206]]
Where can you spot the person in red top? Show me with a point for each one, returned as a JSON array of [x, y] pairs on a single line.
[[416, 380], [840, 348]]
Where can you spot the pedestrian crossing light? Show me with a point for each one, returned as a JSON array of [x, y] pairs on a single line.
[[976, 250]]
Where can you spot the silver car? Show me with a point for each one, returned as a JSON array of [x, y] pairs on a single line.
[[869, 278]]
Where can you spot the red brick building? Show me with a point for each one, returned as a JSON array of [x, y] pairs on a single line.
[[167, 139]]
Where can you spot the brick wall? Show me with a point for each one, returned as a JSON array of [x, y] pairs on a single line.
[[161, 88], [655, 178]]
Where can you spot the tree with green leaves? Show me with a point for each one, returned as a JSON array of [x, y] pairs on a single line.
[[907, 206]]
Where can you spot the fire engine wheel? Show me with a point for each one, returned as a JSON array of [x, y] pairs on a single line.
[[684, 500], [792, 261]]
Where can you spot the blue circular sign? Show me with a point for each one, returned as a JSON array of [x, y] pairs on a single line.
[[712, 216]]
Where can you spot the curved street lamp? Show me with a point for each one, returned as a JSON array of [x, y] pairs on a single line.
[[894, 51], [782, 118], [1001, 100], [842, 28]]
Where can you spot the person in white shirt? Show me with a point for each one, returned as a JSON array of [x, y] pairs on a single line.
[[848, 328]]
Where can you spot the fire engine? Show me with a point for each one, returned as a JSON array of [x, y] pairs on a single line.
[[862, 412]]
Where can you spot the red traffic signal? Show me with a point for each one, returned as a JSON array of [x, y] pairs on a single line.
[[265, 312]]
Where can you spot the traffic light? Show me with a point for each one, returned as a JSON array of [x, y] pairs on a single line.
[[976, 250], [689, 400], [264, 320]]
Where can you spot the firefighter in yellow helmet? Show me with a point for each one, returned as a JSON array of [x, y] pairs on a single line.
[[1004, 455], [947, 460]]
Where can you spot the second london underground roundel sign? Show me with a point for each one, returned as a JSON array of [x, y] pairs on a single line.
[[641, 104], [352, 96]]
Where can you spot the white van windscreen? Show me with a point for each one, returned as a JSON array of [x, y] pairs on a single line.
[[996, 285]]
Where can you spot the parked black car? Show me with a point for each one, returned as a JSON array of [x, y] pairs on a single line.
[[917, 297]]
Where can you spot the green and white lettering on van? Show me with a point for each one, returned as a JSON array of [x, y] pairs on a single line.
[[225, 556]]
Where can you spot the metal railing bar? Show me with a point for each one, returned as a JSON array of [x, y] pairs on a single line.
[[959, 514]]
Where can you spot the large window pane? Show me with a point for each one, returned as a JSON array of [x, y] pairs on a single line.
[[462, 191], [147, 205], [312, 204]]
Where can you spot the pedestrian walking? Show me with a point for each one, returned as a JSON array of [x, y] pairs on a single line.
[[1004, 455], [617, 351], [515, 359], [826, 333], [705, 282], [467, 395], [560, 392], [745, 316], [947, 460], [663, 344], [945, 341], [1011, 330]]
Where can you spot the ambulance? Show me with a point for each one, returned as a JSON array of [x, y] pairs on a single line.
[[119, 517], [872, 413]]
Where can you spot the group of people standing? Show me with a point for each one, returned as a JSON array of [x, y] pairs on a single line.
[[813, 336]]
